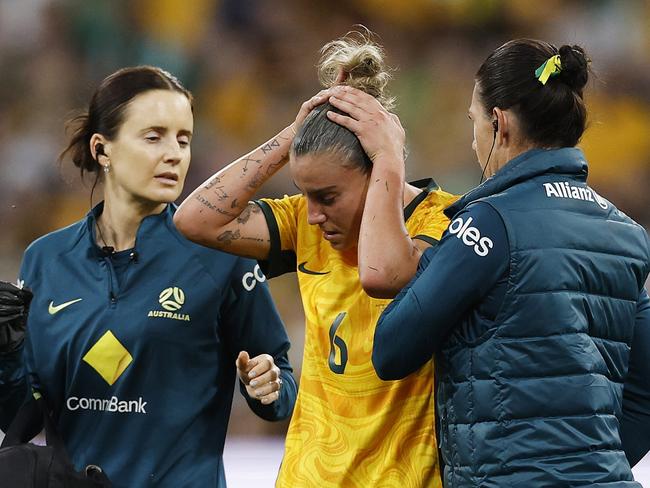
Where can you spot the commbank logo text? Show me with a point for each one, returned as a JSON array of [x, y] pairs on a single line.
[[471, 236], [562, 189], [112, 404], [110, 359]]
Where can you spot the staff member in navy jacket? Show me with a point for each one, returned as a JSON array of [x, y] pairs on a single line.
[[134, 333], [533, 301]]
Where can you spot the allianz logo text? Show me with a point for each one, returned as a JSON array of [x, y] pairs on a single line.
[[106, 405], [564, 190], [471, 236]]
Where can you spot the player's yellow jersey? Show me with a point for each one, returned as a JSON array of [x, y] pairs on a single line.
[[349, 428]]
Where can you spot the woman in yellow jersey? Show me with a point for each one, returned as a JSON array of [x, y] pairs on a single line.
[[346, 155]]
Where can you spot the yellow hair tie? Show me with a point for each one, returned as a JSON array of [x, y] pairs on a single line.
[[551, 67]]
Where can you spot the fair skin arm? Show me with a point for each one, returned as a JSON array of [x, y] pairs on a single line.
[[388, 257], [260, 375], [219, 214]]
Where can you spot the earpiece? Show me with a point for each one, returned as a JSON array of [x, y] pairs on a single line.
[[99, 149], [495, 126]]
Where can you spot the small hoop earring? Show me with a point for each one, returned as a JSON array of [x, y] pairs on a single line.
[[107, 168]]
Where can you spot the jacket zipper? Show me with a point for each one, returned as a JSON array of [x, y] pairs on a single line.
[[112, 279]]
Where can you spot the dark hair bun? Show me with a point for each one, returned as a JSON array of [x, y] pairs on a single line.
[[575, 67], [552, 114]]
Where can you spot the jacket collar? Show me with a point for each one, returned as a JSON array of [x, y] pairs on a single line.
[[148, 225], [566, 161]]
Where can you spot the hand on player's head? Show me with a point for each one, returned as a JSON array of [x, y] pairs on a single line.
[[318, 99], [380, 132]]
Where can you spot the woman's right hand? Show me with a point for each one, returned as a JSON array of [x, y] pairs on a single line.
[[380, 132], [321, 97]]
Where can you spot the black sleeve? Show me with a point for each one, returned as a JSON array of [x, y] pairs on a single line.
[[13, 386], [279, 262], [635, 421], [451, 278], [17, 376], [253, 324]]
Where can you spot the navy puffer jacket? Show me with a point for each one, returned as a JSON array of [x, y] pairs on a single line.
[[535, 400]]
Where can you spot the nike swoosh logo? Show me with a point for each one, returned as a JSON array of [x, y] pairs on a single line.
[[52, 309], [302, 269]]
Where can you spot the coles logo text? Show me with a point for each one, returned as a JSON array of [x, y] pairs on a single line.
[[250, 279], [471, 236]]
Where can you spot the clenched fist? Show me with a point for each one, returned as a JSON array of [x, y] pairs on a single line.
[[261, 377]]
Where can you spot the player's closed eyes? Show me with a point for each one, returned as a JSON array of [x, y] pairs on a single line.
[[326, 200]]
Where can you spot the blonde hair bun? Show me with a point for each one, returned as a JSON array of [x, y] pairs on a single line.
[[361, 62]]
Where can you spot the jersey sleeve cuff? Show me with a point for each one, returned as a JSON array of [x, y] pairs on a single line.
[[279, 262], [428, 239]]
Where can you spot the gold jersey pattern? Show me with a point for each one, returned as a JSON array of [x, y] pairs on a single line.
[[349, 428]]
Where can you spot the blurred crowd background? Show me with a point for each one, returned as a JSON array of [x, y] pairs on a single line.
[[251, 63]]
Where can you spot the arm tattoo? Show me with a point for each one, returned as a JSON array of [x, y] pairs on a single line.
[[266, 148], [250, 160], [220, 192], [206, 203], [228, 236], [223, 212], [251, 208], [255, 182], [273, 168], [213, 181], [255, 239]]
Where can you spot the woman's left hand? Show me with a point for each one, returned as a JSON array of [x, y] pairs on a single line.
[[380, 132], [261, 377]]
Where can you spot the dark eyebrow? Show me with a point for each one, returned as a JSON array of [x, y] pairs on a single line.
[[163, 130]]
